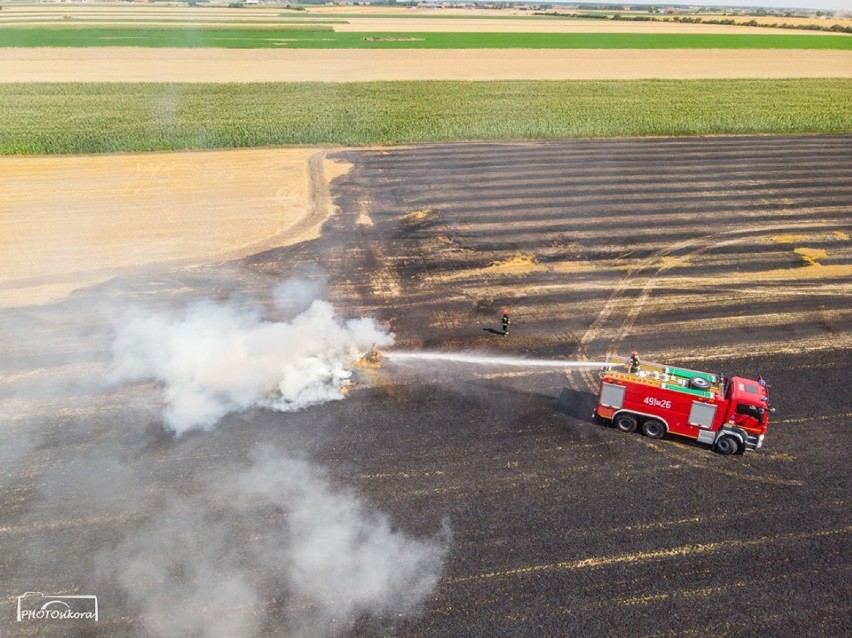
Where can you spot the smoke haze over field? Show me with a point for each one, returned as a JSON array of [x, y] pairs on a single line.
[[213, 359], [322, 549], [215, 535]]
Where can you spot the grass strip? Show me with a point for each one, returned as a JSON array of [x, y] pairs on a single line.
[[101, 118], [257, 37], [177, 22]]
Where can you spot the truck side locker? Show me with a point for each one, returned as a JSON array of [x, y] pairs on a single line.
[[702, 415], [612, 396]]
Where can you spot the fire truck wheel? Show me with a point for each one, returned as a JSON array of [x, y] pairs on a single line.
[[653, 429], [727, 445], [626, 422]]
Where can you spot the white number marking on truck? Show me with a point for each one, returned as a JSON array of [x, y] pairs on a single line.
[[659, 403]]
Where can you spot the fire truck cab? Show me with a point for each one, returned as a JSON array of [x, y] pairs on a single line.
[[730, 414]]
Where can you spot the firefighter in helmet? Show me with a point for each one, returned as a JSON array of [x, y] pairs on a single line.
[[506, 322], [634, 362]]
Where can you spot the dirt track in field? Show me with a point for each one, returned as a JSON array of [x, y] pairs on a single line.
[[341, 65], [726, 254]]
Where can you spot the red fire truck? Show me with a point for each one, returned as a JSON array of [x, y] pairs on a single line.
[[731, 414]]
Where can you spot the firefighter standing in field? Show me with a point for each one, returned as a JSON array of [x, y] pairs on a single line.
[[634, 362], [506, 322]]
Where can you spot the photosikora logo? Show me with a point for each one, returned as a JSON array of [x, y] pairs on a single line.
[[37, 606]]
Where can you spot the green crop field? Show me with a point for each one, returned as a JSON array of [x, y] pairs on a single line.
[[100, 118], [317, 37]]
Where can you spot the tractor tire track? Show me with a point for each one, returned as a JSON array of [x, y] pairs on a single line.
[[698, 246]]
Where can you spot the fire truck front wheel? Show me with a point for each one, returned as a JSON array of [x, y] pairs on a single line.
[[727, 445], [626, 422], [654, 429]]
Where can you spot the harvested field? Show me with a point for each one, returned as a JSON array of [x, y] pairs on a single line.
[[729, 253], [126, 64], [339, 65], [68, 222]]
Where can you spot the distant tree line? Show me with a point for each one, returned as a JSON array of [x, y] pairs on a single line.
[[836, 28]]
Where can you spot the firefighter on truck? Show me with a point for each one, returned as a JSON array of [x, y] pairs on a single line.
[[730, 414]]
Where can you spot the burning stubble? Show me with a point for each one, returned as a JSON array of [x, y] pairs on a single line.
[[212, 360]]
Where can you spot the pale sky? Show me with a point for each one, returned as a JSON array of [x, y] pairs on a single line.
[[824, 5]]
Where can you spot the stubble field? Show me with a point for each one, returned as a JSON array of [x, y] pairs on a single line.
[[725, 254], [516, 513]]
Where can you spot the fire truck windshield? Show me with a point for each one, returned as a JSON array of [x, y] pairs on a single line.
[[750, 410]]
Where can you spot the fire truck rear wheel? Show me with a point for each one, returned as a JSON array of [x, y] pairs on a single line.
[[727, 445], [626, 422], [654, 429]]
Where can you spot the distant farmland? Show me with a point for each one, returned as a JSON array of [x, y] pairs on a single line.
[[239, 99], [323, 37]]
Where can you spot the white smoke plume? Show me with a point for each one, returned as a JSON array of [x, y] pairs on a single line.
[[184, 537], [213, 359], [322, 552]]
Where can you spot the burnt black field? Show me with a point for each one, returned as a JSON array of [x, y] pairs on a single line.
[[719, 254]]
